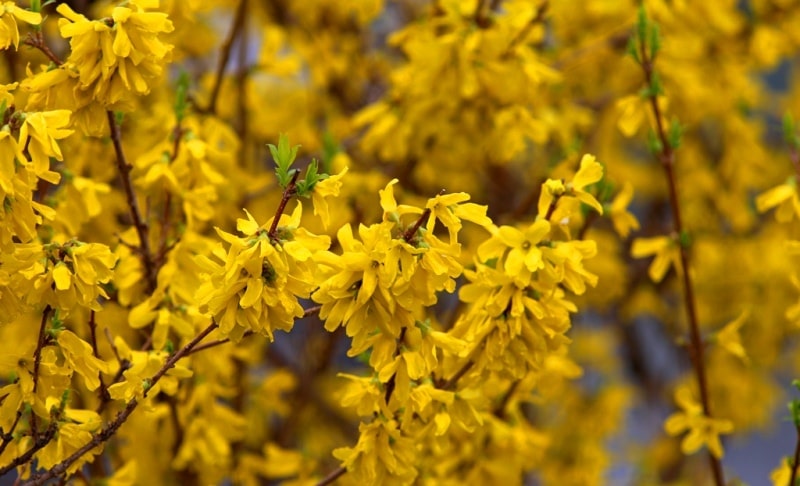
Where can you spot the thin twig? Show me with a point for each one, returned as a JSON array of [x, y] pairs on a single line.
[[333, 476], [111, 428], [796, 462], [225, 54], [218, 342], [667, 158], [133, 205], [38, 443], [37, 358], [37, 41], [104, 396], [288, 193]]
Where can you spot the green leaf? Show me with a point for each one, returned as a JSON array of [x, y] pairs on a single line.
[[642, 24], [675, 133], [306, 186], [633, 49], [684, 239], [790, 135], [181, 96], [284, 156], [653, 143], [654, 41]]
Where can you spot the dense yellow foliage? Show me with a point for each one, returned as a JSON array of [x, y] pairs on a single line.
[[396, 242]]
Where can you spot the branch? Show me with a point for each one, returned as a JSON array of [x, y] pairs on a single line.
[[218, 342], [333, 476], [111, 428], [37, 41], [104, 396], [37, 358], [39, 442], [667, 159], [141, 227], [288, 193], [225, 54], [796, 462]]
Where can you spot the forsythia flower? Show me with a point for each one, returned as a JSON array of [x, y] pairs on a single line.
[[729, 339], [118, 56], [9, 14], [382, 453], [328, 187], [784, 197], [39, 134], [257, 286], [554, 191], [62, 276], [667, 253], [621, 218], [702, 430]]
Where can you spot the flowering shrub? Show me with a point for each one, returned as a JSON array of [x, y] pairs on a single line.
[[455, 277]]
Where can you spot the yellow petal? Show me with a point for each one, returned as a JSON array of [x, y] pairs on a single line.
[[62, 277]]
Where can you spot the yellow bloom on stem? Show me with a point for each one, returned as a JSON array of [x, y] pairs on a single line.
[[324, 189], [524, 255], [729, 339], [79, 357], [667, 253], [117, 56], [589, 172], [9, 14], [784, 197], [39, 134], [702, 430], [621, 218]]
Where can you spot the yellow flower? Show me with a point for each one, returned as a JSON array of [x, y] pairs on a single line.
[[119, 56], [524, 255], [621, 218], [9, 14], [80, 358], [257, 285], [782, 475], [729, 338], [39, 134], [324, 189], [382, 455], [667, 253], [702, 430], [589, 172], [784, 197], [143, 365]]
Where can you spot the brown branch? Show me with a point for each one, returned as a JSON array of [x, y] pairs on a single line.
[[500, 410], [667, 158], [8, 436], [333, 476], [36, 40], [288, 193], [37, 358], [412, 231], [133, 205], [111, 428], [104, 396], [218, 342], [522, 34], [451, 383], [38, 443], [225, 54], [796, 462]]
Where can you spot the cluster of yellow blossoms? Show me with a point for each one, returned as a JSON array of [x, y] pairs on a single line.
[[450, 269]]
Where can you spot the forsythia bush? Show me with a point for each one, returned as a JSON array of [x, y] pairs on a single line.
[[396, 242]]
